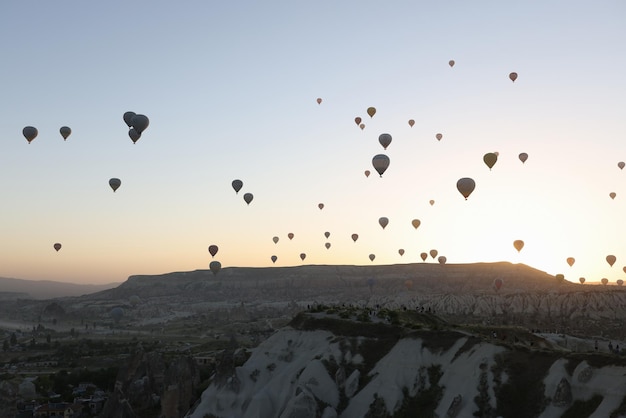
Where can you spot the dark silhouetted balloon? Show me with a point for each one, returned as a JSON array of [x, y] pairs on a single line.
[[433, 253], [362, 126], [518, 244], [30, 133], [383, 221], [327, 245], [290, 236], [57, 246], [465, 186], [490, 159], [140, 123], [128, 118], [621, 165], [320, 205], [115, 183], [620, 282], [424, 256], [367, 173], [319, 100], [432, 202], [355, 237], [416, 223], [237, 185], [65, 132], [513, 77], [372, 257], [570, 261], [357, 120], [442, 259], [380, 163], [248, 198], [275, 239], [274, 258], [411, 122], [302, 256], [612, 195], [117, 313], [134, 135], [604, 281], [215, 266], [560, 278], [582, 280], [213, 249], [384, 140], [611, 259], [439, 136], [523, 157], [451, 63], [401, 252], [371, 111]]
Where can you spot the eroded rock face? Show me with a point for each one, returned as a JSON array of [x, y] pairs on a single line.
[[455, 406], [563, 394], [585, 374], [303, 405]]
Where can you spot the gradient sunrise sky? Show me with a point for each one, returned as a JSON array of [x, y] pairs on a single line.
[[231, 90]]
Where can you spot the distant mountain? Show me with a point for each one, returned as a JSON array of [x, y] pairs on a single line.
[[46, 289]]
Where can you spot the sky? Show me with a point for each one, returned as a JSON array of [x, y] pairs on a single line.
[[231, 88]]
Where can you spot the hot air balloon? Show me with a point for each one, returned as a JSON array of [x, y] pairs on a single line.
[[302, 256], [274, 258], [401, 252], [582, 280], [372, 257], [442, 259], [357, 120], [560, 278], [57, 246], [248, 198], [362, 126], [140, 123], [384, 140], [612, 195], [128, 118], [497, 284], [621, 165], [275, 239], [432, 202], [423, 256], [433, 253], [327, 234], [115, 183], [513, 77], [117, 313], [624, 268], [65, 132], [213, 249], [439, 136], [383, 221], [451, 63], [465, 186], [30, 133], [380, 163], [321, 206], [355, 237], [327, 245], [290, 236], [319, 100], [411, 122], [416, 223], [371, 111], [619, 282], [134, 135], [604, 281], [570, 261], [490, 159], [367, 173], [523, 157], [237, 185], [215, 266], [611, 260], [518, 244]]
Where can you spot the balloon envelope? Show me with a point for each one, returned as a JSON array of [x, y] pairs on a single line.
[[355, 237], [424, 256], [65, 131], [604, 281], [215, 266], [442, 259], [128, 118], [383, 221], [57, 246], [465, 186], [611, 260], [439, 136], [581, 280], [432, 202], [290, 235], [213, 249], [490, 159], [275, 239], [416, 223], [372, 257], [321, 206], [302, 256], [518, 244], [384, 140], [237, 185], [274, 258], [140, 122], [433, 253], [612, 195], [327, 234], [380, 163], [619, 282], [319, 100], [367, 173], [357, 120], [30, 133], [401, 252], [621, 165], [134, 135], [513, 76], [497, 283], [451, 63], [371, 111], [570, 261], [248, 198], [115, 183], [523, 157], [327, 245], [411, 122]]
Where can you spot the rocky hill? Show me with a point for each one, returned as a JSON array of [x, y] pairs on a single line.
[[341, 364]]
